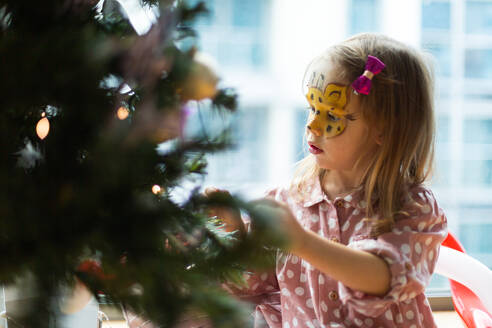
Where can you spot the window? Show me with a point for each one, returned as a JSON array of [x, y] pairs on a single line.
[[436, 15], [248, 13], [301, 115], [456, 33], [234, 33], [441, 51], [364, 16], [240, 165], [478, 63], [441, 177], [475, 231], [479, 17]]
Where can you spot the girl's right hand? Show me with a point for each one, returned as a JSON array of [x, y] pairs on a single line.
[[231, 217]]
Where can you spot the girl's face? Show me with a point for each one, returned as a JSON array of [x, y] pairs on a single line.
[[342, 151]]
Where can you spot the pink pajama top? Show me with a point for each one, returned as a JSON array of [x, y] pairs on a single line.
[[299, 295]]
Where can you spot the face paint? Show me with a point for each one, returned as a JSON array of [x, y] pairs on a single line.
[[327, 116]]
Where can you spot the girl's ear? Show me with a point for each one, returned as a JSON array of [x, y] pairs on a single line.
[[377, 134], [379, 139]]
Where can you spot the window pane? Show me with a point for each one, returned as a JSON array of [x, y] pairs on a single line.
[[477, 173], [438, 283], [244, 164], [436, 15], [235, 32], [231, 53], [441, 178], [442, 57], [300, 120], [475, 231], [258, 54], [479, 17], [442, 174], [442, 128], [364, 16], [478, 130], [207, 18], [478, 63], [248, 13]]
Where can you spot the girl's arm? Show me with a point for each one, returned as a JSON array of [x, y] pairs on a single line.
[[356, 269]]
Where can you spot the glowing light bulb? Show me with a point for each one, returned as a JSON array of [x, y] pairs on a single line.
[[156, 189], [122, 113], [43, 127]]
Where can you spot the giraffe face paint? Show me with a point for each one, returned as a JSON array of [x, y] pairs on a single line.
[[327, 116]]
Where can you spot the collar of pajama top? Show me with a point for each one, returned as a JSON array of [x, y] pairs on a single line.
[[315, 195], [339, 220]]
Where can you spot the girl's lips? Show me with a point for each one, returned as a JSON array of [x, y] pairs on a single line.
[[314, 150]]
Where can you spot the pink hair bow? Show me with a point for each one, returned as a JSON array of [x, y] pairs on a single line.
[[363, 83]]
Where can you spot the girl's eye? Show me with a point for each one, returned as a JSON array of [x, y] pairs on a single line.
[[333, 117], [350, 117]]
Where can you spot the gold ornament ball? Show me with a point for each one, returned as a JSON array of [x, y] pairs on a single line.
[[202, 80]]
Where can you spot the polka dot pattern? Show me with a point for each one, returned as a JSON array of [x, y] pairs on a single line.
[[336, 313], [302, 277], [426, 209], [405, 248], [410, 250], [359, 225], [346, 226]]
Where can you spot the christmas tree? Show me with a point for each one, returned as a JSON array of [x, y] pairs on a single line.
[[85, 101]]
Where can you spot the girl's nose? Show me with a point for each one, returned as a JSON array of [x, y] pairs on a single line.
[[313, 129]]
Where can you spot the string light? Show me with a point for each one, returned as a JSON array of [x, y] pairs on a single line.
[[156, 189], [43, 126], [122, 113]]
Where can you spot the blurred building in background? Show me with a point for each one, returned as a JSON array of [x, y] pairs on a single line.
[[262, 47]]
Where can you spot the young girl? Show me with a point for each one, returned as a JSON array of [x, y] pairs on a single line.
[[364, 231]]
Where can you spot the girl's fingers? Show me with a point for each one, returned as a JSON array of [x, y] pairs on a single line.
[[212, 212], [210, 190]]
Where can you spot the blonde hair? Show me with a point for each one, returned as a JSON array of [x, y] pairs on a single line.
[[400, 107]]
